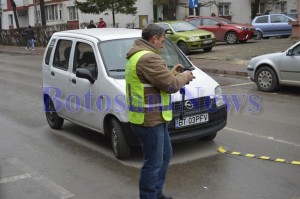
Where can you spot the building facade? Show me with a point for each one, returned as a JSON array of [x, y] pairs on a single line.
[[64, 12]]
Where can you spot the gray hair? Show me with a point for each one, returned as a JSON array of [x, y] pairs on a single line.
[[151, 30]]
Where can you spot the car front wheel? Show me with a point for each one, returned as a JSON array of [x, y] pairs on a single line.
[[266, 79], [258, 35], [53, 119], [231, 38], [119, 142], [183, 47]]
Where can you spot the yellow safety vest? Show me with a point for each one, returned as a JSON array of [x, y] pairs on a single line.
[[135, 94]]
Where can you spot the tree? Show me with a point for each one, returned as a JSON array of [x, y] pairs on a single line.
[[13, 4], [99, 6], [42, 7], [255, 8]]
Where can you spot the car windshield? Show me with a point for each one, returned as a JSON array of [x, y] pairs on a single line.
[[114, 56], [182, 26], [225, 20]]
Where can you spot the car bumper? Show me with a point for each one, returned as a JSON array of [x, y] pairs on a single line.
[[200, 44], [250, 72], [246, 35], [217, 121]]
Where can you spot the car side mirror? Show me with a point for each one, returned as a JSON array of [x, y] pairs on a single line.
[[85, 74], [219, 24], [289, 52], [169, 32]]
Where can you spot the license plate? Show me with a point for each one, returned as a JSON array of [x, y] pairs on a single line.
[[207, 41], [191, 120]]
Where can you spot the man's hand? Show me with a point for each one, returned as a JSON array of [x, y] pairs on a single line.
[[189, 75], [176, 69]]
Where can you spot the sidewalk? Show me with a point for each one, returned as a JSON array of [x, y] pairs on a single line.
[[208, 64]]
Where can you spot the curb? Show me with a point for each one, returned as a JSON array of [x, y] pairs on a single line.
[[224, 72]]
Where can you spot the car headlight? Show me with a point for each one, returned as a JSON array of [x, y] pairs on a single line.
[[241, 27], [194, 38], [219, 96]]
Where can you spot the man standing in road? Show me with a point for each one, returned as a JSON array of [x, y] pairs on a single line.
[[102, 23], [148, 86]]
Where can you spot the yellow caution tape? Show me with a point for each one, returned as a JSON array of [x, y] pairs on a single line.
[[249, 155]]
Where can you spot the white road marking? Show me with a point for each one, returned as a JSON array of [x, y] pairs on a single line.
[[15, 178], [263, 137], [42, 180], [234, 85]]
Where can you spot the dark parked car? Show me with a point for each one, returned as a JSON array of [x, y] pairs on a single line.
[[224, 30], [272, 25]]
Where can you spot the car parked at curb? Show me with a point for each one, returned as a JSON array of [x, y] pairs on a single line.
[[224, 30], [84, 82], [269, 71], [272, 25], [187, 37]]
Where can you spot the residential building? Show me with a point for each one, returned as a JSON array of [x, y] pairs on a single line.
[[64, 11]]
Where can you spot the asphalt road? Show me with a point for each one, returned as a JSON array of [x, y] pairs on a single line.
[[38, 162]]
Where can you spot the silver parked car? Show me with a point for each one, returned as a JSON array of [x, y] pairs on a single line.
[[271, 70]]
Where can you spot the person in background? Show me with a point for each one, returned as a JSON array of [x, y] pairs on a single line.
[[148, 86], [213, 14], [102, 23], [91, 25], [159, 19], [30, 39]]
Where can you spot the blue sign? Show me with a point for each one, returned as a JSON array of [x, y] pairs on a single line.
[[193, 4]]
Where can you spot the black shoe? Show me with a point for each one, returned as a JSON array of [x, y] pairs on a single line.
[[165, 197]]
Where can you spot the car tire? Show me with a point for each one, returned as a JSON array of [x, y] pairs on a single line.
[[210, 137], [258, 35], [119, 142], [266, 79], [183, 47], [231, 38], [207, 49], [54, 121]]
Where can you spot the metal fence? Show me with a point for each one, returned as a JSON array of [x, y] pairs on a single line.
[[17, 37]]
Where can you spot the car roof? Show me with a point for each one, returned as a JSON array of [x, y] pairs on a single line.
[[103, 34], [274, 15]]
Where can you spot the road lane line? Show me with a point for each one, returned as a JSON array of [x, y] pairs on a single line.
[[263, 137], [42, 180], [15, 178]]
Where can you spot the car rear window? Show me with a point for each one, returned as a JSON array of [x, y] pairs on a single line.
[[263, 19]]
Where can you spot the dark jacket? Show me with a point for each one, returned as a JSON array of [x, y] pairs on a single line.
[[29, 33]]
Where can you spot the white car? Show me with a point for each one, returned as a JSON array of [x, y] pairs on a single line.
[[269, 71], [84, 82]]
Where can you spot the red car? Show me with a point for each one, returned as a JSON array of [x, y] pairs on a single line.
[[224, 29]]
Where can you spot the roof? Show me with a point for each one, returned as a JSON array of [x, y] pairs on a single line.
[[104, 34]]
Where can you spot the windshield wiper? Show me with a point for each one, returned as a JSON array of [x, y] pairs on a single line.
[[117, 70]]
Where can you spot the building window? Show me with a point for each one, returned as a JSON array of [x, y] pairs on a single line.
[[53, 12], [73, 13], [224, 9], [11, 20], [262, 8]]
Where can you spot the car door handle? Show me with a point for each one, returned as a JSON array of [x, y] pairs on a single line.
[[73, 81], [52, 73]]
